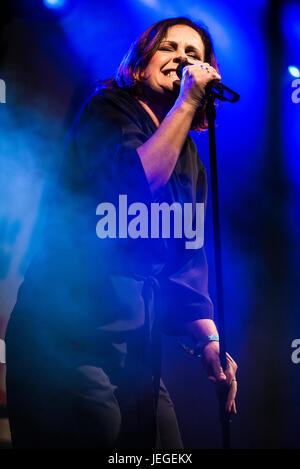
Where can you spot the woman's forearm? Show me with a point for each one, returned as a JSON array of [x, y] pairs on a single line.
[[201, 328], [160, 153]]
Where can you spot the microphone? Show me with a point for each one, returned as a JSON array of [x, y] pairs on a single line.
[[215, 87]]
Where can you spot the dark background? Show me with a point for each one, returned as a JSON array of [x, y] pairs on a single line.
[[50, 60]]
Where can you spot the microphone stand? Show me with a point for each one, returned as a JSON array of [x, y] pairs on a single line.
[[218, 90], [211, 116]]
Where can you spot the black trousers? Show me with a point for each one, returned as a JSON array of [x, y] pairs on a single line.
[[94, 405]]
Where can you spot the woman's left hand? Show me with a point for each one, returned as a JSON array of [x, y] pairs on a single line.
[[225, 381]]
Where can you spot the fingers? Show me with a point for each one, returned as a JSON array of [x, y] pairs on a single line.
[[211, 360], [226, 395], [227, 390], [230, 406], [225, 382], [200, 73], [194, 81], [209, 69], [206, 70], [231, 362], [233, 409], [218, 371], [218, 375]]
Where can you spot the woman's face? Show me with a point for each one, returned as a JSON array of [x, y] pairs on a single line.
[[180, 43]]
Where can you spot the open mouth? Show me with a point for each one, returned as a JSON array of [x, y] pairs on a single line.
[[170, 73]]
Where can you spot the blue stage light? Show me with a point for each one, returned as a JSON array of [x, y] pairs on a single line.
[[54, 3], [294, 71]]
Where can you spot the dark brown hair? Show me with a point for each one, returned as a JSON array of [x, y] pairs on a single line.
[[130, 71]]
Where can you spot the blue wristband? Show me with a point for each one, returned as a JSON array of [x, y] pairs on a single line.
[[197, 349]]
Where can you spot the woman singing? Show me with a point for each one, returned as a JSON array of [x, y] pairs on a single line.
[[83, 340]]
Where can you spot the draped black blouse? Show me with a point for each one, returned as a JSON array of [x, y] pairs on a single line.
[[80, 286]]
